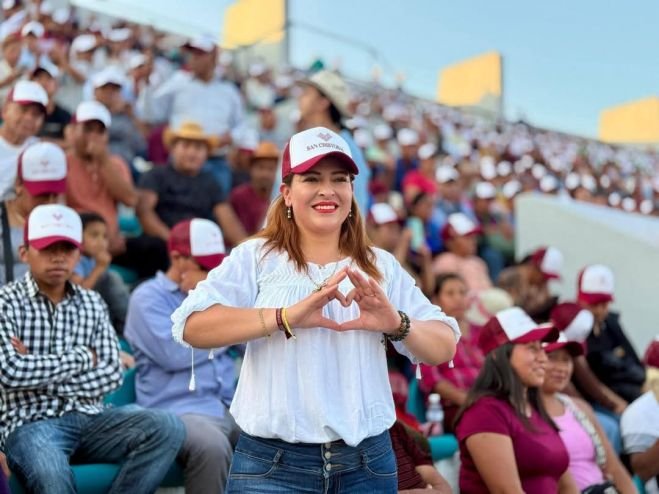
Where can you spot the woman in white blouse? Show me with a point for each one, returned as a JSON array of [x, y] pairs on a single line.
[[315, 303]]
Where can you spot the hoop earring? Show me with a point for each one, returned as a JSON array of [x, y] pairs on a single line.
[[289, 215]]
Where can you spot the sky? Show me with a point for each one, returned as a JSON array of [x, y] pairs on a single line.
[[564, 61]]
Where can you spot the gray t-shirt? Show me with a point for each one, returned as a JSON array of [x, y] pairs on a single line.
[[16, 234]]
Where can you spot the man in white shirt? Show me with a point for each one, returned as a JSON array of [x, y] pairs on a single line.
[[639, 426], [22, 114], [203, 97]]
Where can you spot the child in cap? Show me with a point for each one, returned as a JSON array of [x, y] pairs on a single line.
[[610, 355], [250, 201], [528, 281], [460, 236], [92, 271], [594, 464], [40, 179], [503, 425], [60, 358], [164, 367]]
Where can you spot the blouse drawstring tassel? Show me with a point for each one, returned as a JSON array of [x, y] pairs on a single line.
[[193, 385]]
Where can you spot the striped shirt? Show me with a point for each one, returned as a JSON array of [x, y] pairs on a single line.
[[57, 375]]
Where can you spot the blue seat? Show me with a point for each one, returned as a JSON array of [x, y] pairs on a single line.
[[443, 446], [97, 478]]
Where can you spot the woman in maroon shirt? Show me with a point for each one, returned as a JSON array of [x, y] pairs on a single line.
[[508, 442]]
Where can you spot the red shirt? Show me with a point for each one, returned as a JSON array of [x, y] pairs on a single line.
[[250, 207], [540, 454], [467, 364], [408, 456]]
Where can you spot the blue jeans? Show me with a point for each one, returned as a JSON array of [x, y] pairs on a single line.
[[275, 466], [221, 171], [144, 442]]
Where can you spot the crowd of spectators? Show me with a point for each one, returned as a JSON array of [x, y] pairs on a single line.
[[169, 152]]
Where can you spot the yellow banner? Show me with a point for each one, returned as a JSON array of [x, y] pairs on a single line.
[[476, 81], [248, 22], [631, 123]]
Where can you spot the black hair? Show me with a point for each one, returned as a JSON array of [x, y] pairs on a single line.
[[498, 379], [335, 115], [444, 278], [89, 218]]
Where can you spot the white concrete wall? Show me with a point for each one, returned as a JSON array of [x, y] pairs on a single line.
[[587, 234]]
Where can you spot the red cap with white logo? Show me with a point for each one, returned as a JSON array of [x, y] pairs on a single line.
[[305, 149], [575, 322], [595, 284], [42, 169], [574, 348], [52, 223], [459, 225], [549, 260], [200, 239], [513, 326]]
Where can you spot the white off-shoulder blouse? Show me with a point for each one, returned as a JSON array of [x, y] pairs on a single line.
[[323, 385]]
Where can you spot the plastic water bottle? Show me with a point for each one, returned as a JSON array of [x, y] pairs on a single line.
[[435, 414]]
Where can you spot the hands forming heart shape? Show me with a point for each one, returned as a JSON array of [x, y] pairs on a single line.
[[376, 312]]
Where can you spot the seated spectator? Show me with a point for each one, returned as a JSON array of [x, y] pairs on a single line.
[[11, 70], [98, 181], [497, 245], [60, 357], [460, 236], [453, 383], [408, 160], [610, 355], [22, 116], [528, 282], [164, 367], [41, 179], [451, 195], [416, 473], [182, 190], [57, 118], [640, 436], [125, 137], [508, 442], [92, 271], [251, 200], [425, 232], [594, 464], [422, 179]]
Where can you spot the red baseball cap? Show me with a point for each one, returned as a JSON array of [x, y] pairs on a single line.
[[42, 169], [52, 223], [575, 322], [595, 284], [200, 239], [651, 358], [549, 260], [307, 148], [513, 325], [574, 348], [459, 225]]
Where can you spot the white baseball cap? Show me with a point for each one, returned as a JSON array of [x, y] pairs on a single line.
[[200, 239], [61, 15], [204, 42], [109, 75], [305, 149], [446, 173], [513, 325], [382, 213], [33, 28], [504, 168], [427, 151], [485, 190], [42, 169], [575, 323], [459, 225], [333, 87], [382, 132], [548, 183], [136, 59], [595, 284], [48, 67], [52, 223], [83, 43], [27, 93], [119, 34], [407, 137], [511, 189], [88, 111]]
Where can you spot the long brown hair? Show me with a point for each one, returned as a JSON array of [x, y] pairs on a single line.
[[282, 234], [498, 379]]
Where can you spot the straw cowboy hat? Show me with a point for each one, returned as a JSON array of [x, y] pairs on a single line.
[[189, 130]]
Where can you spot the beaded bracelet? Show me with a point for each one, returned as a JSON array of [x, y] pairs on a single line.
[[403, 330]]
